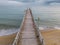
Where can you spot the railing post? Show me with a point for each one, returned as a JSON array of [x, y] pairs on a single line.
[[37, 30], [18, 34]]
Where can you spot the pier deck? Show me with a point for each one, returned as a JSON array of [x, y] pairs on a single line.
[[27, 34]]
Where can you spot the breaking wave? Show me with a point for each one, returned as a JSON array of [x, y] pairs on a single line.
[[46, 27], [8, 31]]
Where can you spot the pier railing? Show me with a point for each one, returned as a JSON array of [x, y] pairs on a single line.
[[39, 36], [18, 34], [41, 41]]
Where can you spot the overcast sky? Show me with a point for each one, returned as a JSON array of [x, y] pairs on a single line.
[[28, 2], [43, 5]]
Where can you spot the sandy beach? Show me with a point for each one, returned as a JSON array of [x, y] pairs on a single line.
[[7, 40], [51, 37]]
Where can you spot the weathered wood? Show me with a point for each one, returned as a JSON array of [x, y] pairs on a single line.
[[28, 34]]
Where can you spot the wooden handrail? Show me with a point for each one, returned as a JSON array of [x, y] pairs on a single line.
[[18, 34], [37, 30], [39, 36]]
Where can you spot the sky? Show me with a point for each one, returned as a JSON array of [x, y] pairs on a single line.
[[39, 5], [25, 2], [28, 2]]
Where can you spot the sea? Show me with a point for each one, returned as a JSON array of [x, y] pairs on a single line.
[[47, 20], [10, 21]]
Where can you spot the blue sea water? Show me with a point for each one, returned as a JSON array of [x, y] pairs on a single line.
[[47, 20], [10, 23], [10, 20]]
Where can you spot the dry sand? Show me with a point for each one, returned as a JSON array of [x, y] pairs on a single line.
[[51, 37], [7, 40]]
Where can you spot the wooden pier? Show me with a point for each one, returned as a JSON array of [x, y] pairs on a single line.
[[28, 34]]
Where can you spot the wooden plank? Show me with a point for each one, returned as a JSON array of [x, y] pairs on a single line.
[[28, 33]]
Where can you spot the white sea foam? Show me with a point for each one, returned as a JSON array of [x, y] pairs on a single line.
[[14, 30], [49, 27], [8, 31], [56, 27], [41, 28]]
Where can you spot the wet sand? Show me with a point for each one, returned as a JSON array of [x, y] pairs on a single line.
[[7, 40], [51, 37]]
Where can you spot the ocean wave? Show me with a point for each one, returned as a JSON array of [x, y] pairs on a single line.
[[56, 27], [14, 30], [41, 28], [49, 27], [8, 31]]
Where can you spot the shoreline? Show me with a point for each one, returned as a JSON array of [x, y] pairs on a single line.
[[49, 28], [4, 32], [51, 37], [7, 39]]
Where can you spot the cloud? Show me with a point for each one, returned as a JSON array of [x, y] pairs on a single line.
[[30, 2], [15, 3], [27, 0], [54, 4], [37, 6], [10, 2], [46, 2], [46, 9]]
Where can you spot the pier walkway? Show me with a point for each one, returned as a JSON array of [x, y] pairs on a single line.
[[28, 33]]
